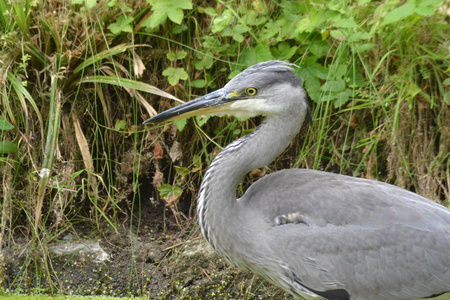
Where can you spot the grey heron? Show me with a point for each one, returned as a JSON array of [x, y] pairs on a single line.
[[312, 233]]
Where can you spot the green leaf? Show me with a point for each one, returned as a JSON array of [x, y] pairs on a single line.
[[123, 24], [316, 69], [201, 120], [120, 125], [270, 30], [359, 36], [338, 34], [180, 124], [285, 51], [163, 9], [166, 191], [7, 147], [179, 28], [89, 4], [221, 22], [311, 72], [205, 63], [197, 163], [346, 23], [174, 75], [252, 56], [333, 85], [427, 8], [399, 13], [447, 98], [360, 48], [199, 83], [210, 11], [182, 171], [172, 56], [342, 97], [5, 125]]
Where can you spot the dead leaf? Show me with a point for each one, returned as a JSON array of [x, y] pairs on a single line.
[[353, 122], [257, 173], [158, 179], [175, 151], [138, 65], [158, 151]]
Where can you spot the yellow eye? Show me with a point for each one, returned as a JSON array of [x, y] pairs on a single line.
[[251, 91]]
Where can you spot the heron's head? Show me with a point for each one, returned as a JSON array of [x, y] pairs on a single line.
[[267, 88]]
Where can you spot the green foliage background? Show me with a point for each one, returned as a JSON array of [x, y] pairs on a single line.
[[78, 77]]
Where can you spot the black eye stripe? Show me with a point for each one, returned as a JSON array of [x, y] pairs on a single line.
[[251, 91]]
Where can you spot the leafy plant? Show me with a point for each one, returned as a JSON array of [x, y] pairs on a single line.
[[6, 146]]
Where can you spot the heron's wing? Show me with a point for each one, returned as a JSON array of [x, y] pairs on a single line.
[[336, 233]]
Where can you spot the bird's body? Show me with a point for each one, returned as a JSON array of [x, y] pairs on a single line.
[[312, 233]]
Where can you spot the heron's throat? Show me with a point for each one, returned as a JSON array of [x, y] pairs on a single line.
[[217, 204]]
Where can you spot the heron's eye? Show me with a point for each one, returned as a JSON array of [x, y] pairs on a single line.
[[251, 91]]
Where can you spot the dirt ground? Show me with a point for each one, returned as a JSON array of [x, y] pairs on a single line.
[[161, 262]]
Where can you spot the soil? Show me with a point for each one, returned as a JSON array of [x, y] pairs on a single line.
[[162, 261]]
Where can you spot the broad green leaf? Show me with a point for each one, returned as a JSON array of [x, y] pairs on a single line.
[[179, 28], [7, 147], [197, 163], [166, 191], [180, 124], [346, 23], [199, 83], [176, 15], [182, 172], [5, 125], [123, 24], [359, 36], [174, 75], [163, 9], [342, 97], [447, 98], [399, 13], [338, 71], [284, 51], [338, 34], [89, 4], [270, 30], [252, 56], [427, 8], [333, 85], [360, 48], [201, 120], [205, 63], [210, 11], [120, 125], [319, 49], [221, 22], [173, 56], [316, 69]]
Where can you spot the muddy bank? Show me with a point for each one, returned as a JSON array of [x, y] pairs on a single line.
[[129, 265]]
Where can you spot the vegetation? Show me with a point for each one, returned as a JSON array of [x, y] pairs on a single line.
[[78, 77]]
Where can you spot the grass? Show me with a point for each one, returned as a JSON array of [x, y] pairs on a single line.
[[78, 78], [44, 297]]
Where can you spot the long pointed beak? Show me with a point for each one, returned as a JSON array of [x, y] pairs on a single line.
[[212, 103]]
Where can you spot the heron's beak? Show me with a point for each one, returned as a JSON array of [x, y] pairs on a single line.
[[212, 103]]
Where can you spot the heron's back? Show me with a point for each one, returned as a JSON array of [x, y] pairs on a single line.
[[332, 233]]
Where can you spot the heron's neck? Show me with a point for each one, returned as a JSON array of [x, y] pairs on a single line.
[[217, 205]]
